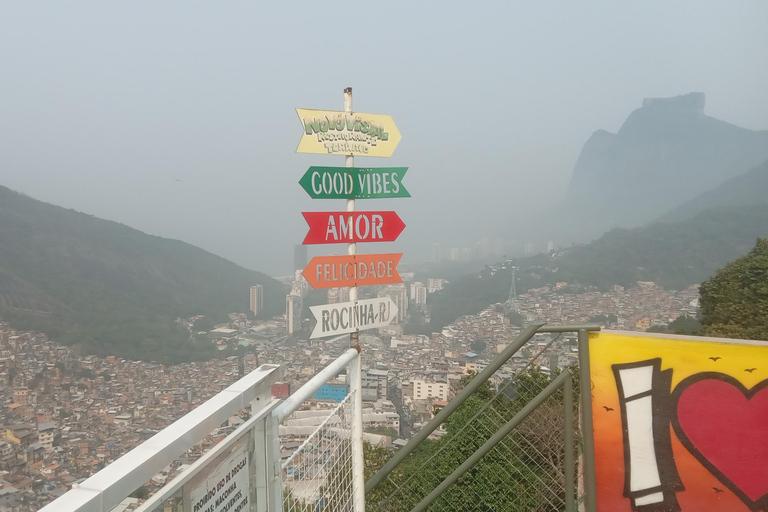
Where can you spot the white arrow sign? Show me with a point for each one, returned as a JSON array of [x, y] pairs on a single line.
[[333, 319]]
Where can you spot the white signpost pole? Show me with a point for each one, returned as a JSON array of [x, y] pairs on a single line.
[[354, 338], [355, 367]]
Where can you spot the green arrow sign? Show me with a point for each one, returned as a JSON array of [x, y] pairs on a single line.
[[354, 182]]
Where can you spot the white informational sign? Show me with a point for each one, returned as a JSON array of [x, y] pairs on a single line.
[[334, 319], [226, 488]]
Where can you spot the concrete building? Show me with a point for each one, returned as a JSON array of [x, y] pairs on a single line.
[[300, 284], [257, 299], [21, 396], [281, 390], [337, 295], [45, 434], [529, 248], [376, 381], [423, 389], [418, 293], [299, 257], [436, 255], [373, 420], [332, 391], [293, 309], [399, 295], [434, 285]]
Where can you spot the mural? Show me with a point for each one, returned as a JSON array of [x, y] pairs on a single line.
[[681, 423]]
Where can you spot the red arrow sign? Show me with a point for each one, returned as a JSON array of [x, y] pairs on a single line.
[[349, 227], [357, 270]]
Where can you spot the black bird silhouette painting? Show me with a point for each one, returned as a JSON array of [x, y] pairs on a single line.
[[715, 358], [750, 370], [607, 409]]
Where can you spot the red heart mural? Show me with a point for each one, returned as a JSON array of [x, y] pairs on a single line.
[[725, 426]]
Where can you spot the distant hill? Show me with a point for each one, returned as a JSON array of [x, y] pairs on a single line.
[[666, 153], [749, 188], [110, 288], [674, 255]]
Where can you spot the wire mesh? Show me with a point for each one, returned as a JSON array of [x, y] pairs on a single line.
[[317, 475], [523, 472]]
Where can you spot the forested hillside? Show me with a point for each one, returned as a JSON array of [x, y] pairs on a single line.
[[673, 255], [110, 288], [734, 303], [749, 188]]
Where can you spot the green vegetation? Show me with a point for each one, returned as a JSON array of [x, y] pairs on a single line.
[[610, 318], [734, 302], [477, 346], [416, 323], [209, 322], [141, 493], [384, 431], [681, 325], [449, 270], [516, 318], [111, 289], [748, 188], [673, 255], [527, 464]]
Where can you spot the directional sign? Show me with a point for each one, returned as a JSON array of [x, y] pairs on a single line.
[[344, 317], [352, 227], [347, 133], [356, 270], [354, 182]]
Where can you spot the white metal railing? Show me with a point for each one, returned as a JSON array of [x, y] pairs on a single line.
[[108, 487], [326, 471], [249, 442], [216, 481]]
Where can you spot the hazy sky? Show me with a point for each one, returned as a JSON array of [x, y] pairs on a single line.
[[177, 118]]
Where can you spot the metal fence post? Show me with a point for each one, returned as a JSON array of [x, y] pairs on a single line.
[[358, 464], [587, 430], [495, 439], [454, 404], [258, 445], [274, 468], [260, 465], [568, 466]]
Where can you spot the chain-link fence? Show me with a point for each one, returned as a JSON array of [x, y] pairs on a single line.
[[524, 471], [317, 474]]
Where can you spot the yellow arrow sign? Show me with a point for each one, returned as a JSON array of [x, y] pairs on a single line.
[[330, 132]]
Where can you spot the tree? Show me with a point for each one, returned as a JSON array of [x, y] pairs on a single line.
[[734, 302], [205, 323], [516, 318], [522, 473], [683, 324], [141, 493], [375, 457], [84, 373], [610, 318], [477, 346]]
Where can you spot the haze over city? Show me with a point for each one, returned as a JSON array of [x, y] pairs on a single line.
[[561, 305], [178, 119]]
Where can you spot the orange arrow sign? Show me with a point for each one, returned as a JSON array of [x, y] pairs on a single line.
[[357, 270]]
